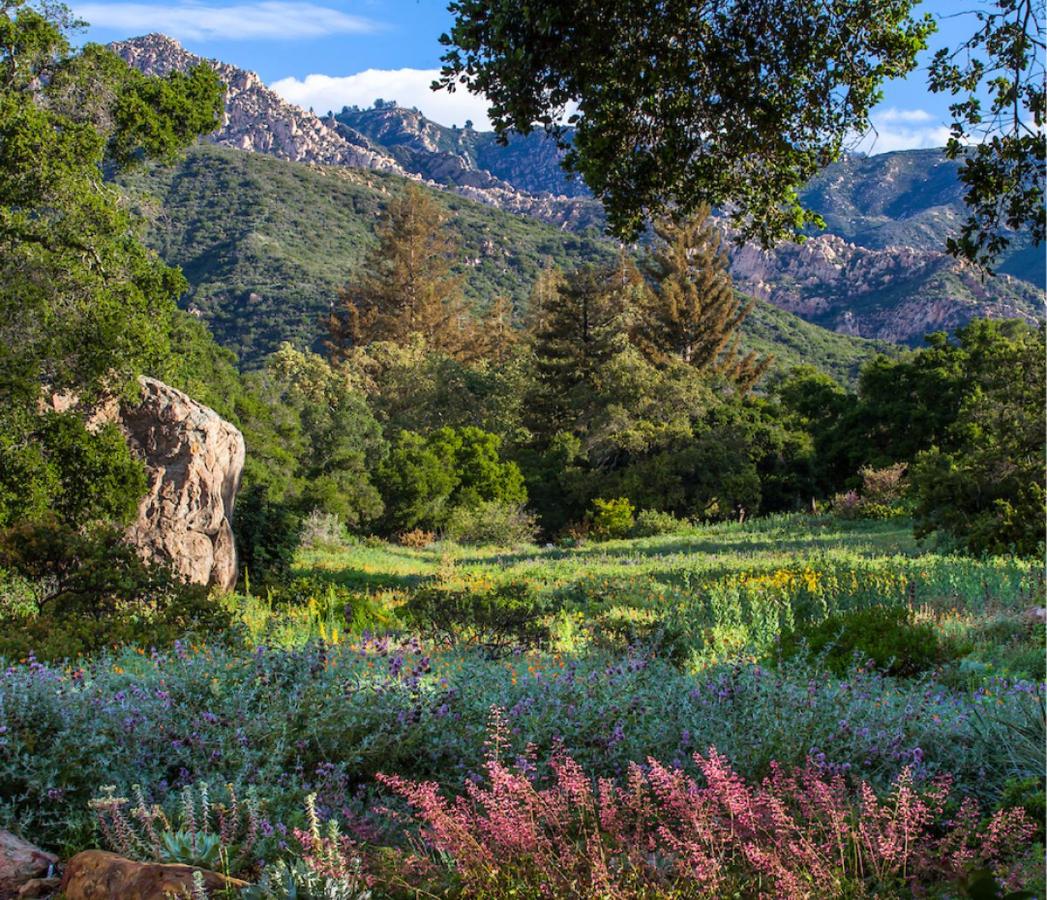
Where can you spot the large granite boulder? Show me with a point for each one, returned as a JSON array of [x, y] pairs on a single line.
[[97, 875], [20, 862], [193, 460]]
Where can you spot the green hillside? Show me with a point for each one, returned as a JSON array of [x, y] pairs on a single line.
[[795, 342], [265, 245]]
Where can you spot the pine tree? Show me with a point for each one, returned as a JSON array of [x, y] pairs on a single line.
[[493, 337], [691, 310], [543, 297], [406, 286], [577, 333]]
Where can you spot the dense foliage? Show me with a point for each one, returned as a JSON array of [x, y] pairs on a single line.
[[675, 697], [968, 415], [593, 399], [312, 703], [267, 244], [84, 307]]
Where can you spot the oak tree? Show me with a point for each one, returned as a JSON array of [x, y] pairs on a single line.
[[997, 78]]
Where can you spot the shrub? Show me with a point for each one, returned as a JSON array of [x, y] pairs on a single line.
[[329, 867], [156, 622], [655, 522], [81, 592], [285, 717], [425, 477], [882, 495], [887, 636], [847, 505], [329, 607], [1030, 795], [17, 596], [199, 831], [626, 628], [869, 510], [612, 518], [492, 522], [416, 481], [575, 535], [416, 538], [482, 474], [886, 486], [797, 834], [497, 618], [323, 531], [62, 469], [267, 536], [92, 573]]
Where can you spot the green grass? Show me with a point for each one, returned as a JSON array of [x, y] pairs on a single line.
[[717, 590]]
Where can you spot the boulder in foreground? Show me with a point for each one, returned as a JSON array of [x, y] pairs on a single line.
[[97, 875]]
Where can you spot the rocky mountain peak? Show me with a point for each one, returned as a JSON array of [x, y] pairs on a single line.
[[257, 118]]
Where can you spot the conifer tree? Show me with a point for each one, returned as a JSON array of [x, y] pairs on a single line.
[[578, 331], [493, 337], [691, 310], [406, 286], [543, 296]]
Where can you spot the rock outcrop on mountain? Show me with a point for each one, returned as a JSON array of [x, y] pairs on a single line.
[[892, 293], [256, 118], [193, 460], [878, 270], [523, 177]]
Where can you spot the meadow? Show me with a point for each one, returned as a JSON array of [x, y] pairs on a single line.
[[705, 682]]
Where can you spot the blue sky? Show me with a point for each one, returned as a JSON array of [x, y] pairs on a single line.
[[327, 53]]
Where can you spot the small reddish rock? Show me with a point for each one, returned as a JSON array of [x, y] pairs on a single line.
[[97, 875], [38, 888], [20, 862]]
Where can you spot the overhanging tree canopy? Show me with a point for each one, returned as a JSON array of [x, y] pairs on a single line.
[[730, 103], [83, 305]]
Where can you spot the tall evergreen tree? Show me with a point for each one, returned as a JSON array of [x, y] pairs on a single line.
[[543, 297], [576, 335], [493, 338], [406, 286], [691, 310]]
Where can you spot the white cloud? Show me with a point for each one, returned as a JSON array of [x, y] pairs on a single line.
[[902, 129], [189, 20], [893, 114], [408, 87]]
